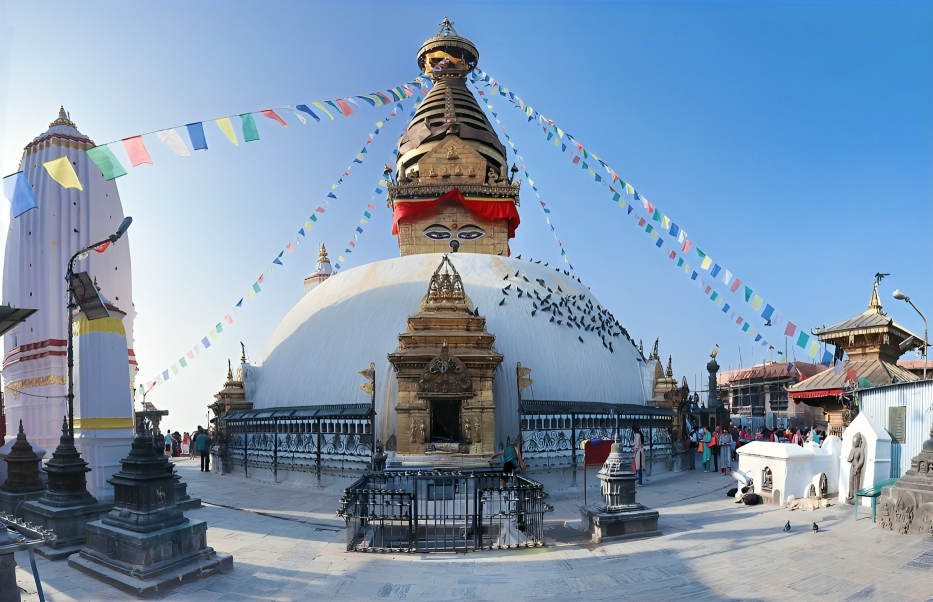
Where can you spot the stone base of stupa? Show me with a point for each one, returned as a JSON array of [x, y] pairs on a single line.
[[12, 503], [149, 564], [616, 526], [68, 524], [438, 461]]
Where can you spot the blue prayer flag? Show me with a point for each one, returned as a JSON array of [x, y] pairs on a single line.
[[693, 276], [675, 229], [790, 366], [16, 188], [768, 312], [301, 231], [369, 100], [240, 303], [165, 375], [305, 109], [277, 260], [716, 269], [757, 337], [725, 308], [331, 195], [659, 243], [630, 209], [196, 133], [827, 359], [395, 94], [358, 229], [206, 342]]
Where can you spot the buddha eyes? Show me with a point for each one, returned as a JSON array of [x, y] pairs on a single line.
[[467, 232]]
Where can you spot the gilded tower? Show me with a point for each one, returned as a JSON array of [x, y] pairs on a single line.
[[453, 190]]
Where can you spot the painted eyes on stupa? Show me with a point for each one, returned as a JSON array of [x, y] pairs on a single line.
[[437, 232], [470, 232]]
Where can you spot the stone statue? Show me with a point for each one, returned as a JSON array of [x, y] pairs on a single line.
[[421, 429], [411, 431], [452, 152], [477, 432], [466, 430], [856, 462], [472, 172], [491, 177]]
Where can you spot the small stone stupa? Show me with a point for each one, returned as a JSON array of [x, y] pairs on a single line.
[[146, 545], [907, 507], [619, 516], [23, 482]]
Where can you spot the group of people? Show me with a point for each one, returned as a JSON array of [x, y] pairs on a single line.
[[185, 445], [786, 435]]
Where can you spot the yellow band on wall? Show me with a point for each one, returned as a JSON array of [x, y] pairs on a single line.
[[107, 325], [103, 423]]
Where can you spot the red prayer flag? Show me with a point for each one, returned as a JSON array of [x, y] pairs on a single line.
[[851, 375], [190, 355], [347, 109], [735, 286], [673, 254], [261, 276], [791, 328], [576, 159], [708, 288], [641, 222], [274, 116], [320, 210], [687, 243], [290, 248], [136, 150], [371, 206], [352, 244], [384, 97], [739, 320], [228, 319]]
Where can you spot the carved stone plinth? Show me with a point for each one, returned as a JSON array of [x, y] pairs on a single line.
[[146, 545], [23, 482], [619, 516], [66, 507], [907, 507]]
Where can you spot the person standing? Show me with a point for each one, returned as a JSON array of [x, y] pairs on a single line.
[[185, 444], [638, 450], [203, 444], [714, 447], [725, 452], [705, 450], [511, 460]]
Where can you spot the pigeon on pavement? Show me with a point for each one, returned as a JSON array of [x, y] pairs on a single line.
[[816, 527], [786, 527]]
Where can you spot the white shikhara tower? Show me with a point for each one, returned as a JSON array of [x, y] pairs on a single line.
[[39, 244]]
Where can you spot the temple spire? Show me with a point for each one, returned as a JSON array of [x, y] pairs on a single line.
[[875, 303], [63, 119]]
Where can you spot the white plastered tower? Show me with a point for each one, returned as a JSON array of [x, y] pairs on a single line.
[[39, 244]]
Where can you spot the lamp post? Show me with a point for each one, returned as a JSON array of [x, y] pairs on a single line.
[[72, 305], [902, 297]]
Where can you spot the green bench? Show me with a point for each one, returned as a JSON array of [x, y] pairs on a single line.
[[872, 492]]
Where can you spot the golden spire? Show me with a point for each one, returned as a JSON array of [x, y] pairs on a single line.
[[229, 370], [322, 256], [63, 119], [243, 354], [875, 303], [670, 371]]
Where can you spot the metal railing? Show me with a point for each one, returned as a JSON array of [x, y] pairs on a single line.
[[442, 512]]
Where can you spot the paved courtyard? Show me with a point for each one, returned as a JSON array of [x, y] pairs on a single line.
[[287, 545]]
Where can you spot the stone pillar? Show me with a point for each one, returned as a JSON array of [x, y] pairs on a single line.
[[619, 516]]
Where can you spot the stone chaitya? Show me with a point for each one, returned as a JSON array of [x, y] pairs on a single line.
[[23, 482], [907, 507], [445, 364], [145, 545]]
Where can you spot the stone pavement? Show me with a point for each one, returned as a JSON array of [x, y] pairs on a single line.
[[287, 545]]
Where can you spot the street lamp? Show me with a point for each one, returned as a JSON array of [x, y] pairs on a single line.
[[902, 297], [73, 280]]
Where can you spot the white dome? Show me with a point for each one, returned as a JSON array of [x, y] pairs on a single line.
[[355, 317]]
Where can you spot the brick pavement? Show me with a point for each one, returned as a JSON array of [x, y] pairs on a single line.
[[287, 545]]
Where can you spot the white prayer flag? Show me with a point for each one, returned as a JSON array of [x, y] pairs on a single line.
[[726, 277], [297, 114], [682, 236], [172, 140]]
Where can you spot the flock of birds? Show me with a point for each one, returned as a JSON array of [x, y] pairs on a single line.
[[570, 311]]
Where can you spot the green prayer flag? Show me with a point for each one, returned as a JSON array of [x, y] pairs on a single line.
[[313, 218], [183, 362], [680, 261], [713, 296], [802, 340], [745, 327], [219, 328], [256, 287], [585, 166], [104, 158], [250, 132], [649, 228], [367, 214], [657, 215], [748, 294], [616, 197], [363, 152]]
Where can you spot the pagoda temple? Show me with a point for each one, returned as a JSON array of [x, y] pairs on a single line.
[[873, 341]]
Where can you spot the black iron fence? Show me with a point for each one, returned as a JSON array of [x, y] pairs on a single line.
[[301, 439], [442, 512]]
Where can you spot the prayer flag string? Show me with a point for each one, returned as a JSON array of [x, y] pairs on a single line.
[[256, 288], [655, 223]]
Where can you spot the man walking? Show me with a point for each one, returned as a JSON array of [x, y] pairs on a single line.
[[203, 444]]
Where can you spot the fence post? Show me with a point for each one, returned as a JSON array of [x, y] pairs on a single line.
[[573, 446], [275, 451], [246, 449], [318, 453]]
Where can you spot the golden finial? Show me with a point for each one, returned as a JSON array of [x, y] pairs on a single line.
[[875, 302], [63, 119], [322, 256], [670, 371], [243, 354], [229, 370], [447, 28]]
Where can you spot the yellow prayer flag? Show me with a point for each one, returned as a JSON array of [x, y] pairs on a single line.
[[547, 219], [751, 333], [814, 347], [655, 234], [62, 172], [592, 171], [174, 369], [333, 187], [556, 141], [362, 221], [622, 203], [756, 302], [686, 268], [560, 132], [566, 260], [251, 294], [213, 335], [512, 144], [308, 225], [531, 182], [378, 124], [320, 106], [629, 188], [707, 261], [666, 222], [227, 128], [720, 301], [340, 258]]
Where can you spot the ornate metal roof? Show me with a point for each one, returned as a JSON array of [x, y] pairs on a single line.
[[877, 372]]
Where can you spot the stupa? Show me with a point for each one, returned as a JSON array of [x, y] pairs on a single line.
[[455, 203]]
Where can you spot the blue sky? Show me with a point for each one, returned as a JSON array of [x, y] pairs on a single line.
[[793, 141]]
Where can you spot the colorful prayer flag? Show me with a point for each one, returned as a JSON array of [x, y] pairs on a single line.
[[196, 133], [305, 109], [802, 340], [768, 312], [250, 132], [104, 158], [735, 285], [17, 190], [62, 172], [173, 140], [320, 106], [227, 128], [791, 328], [274, 116], [756, 302]]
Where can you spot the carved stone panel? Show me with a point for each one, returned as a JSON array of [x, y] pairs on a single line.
[[452, 161], [445, 376]]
